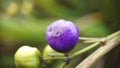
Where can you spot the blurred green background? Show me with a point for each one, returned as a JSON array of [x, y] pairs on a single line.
[[23, 22]]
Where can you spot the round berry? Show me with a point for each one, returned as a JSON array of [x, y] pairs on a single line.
[[27, 57], [62, 35], [49, 53]]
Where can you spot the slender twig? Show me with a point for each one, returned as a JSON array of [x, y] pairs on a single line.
[[66, 61], [55, 58], [56, 54], [91, 40], [113, 35], [86, 38], [112, 41], [84, 50], [74, 55], [78, 53], [63, 65]]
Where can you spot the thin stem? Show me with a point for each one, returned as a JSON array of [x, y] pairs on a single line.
[[84, 50], [92, 40], [63, 65], [56, 54], [112, 41], [76, 53], [86, 38], [97, 40], [113, 35], [55, 58]]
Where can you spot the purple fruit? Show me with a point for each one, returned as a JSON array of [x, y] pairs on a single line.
[[62, 35]]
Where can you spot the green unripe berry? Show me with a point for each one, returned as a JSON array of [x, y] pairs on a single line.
[[47, 51], [27, 57], [50, 53]]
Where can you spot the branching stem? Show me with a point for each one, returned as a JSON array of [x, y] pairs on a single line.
[[111, 42]]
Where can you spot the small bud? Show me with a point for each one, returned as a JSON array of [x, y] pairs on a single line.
[[47, 51], [50, 53], [62, 35], [27, 57]]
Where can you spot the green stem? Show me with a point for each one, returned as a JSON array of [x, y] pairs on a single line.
[[76, 54], [112, 41], [86, 38], [113, 35], [91, 40], [63, 65], [55, 58], [56, 54]]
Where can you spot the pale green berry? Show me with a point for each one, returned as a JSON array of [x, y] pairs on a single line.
[[50, 53], [27, 57]]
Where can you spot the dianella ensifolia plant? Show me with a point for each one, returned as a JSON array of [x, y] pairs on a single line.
[[62, 36]]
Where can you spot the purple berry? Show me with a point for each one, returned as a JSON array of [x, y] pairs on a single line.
[[62, 35]]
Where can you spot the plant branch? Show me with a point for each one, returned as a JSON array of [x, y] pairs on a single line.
[[91, 40], [84, 50], [63, 65], [86, 38], [56, 54], [111, 42], [74, 55], [55, 58]]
